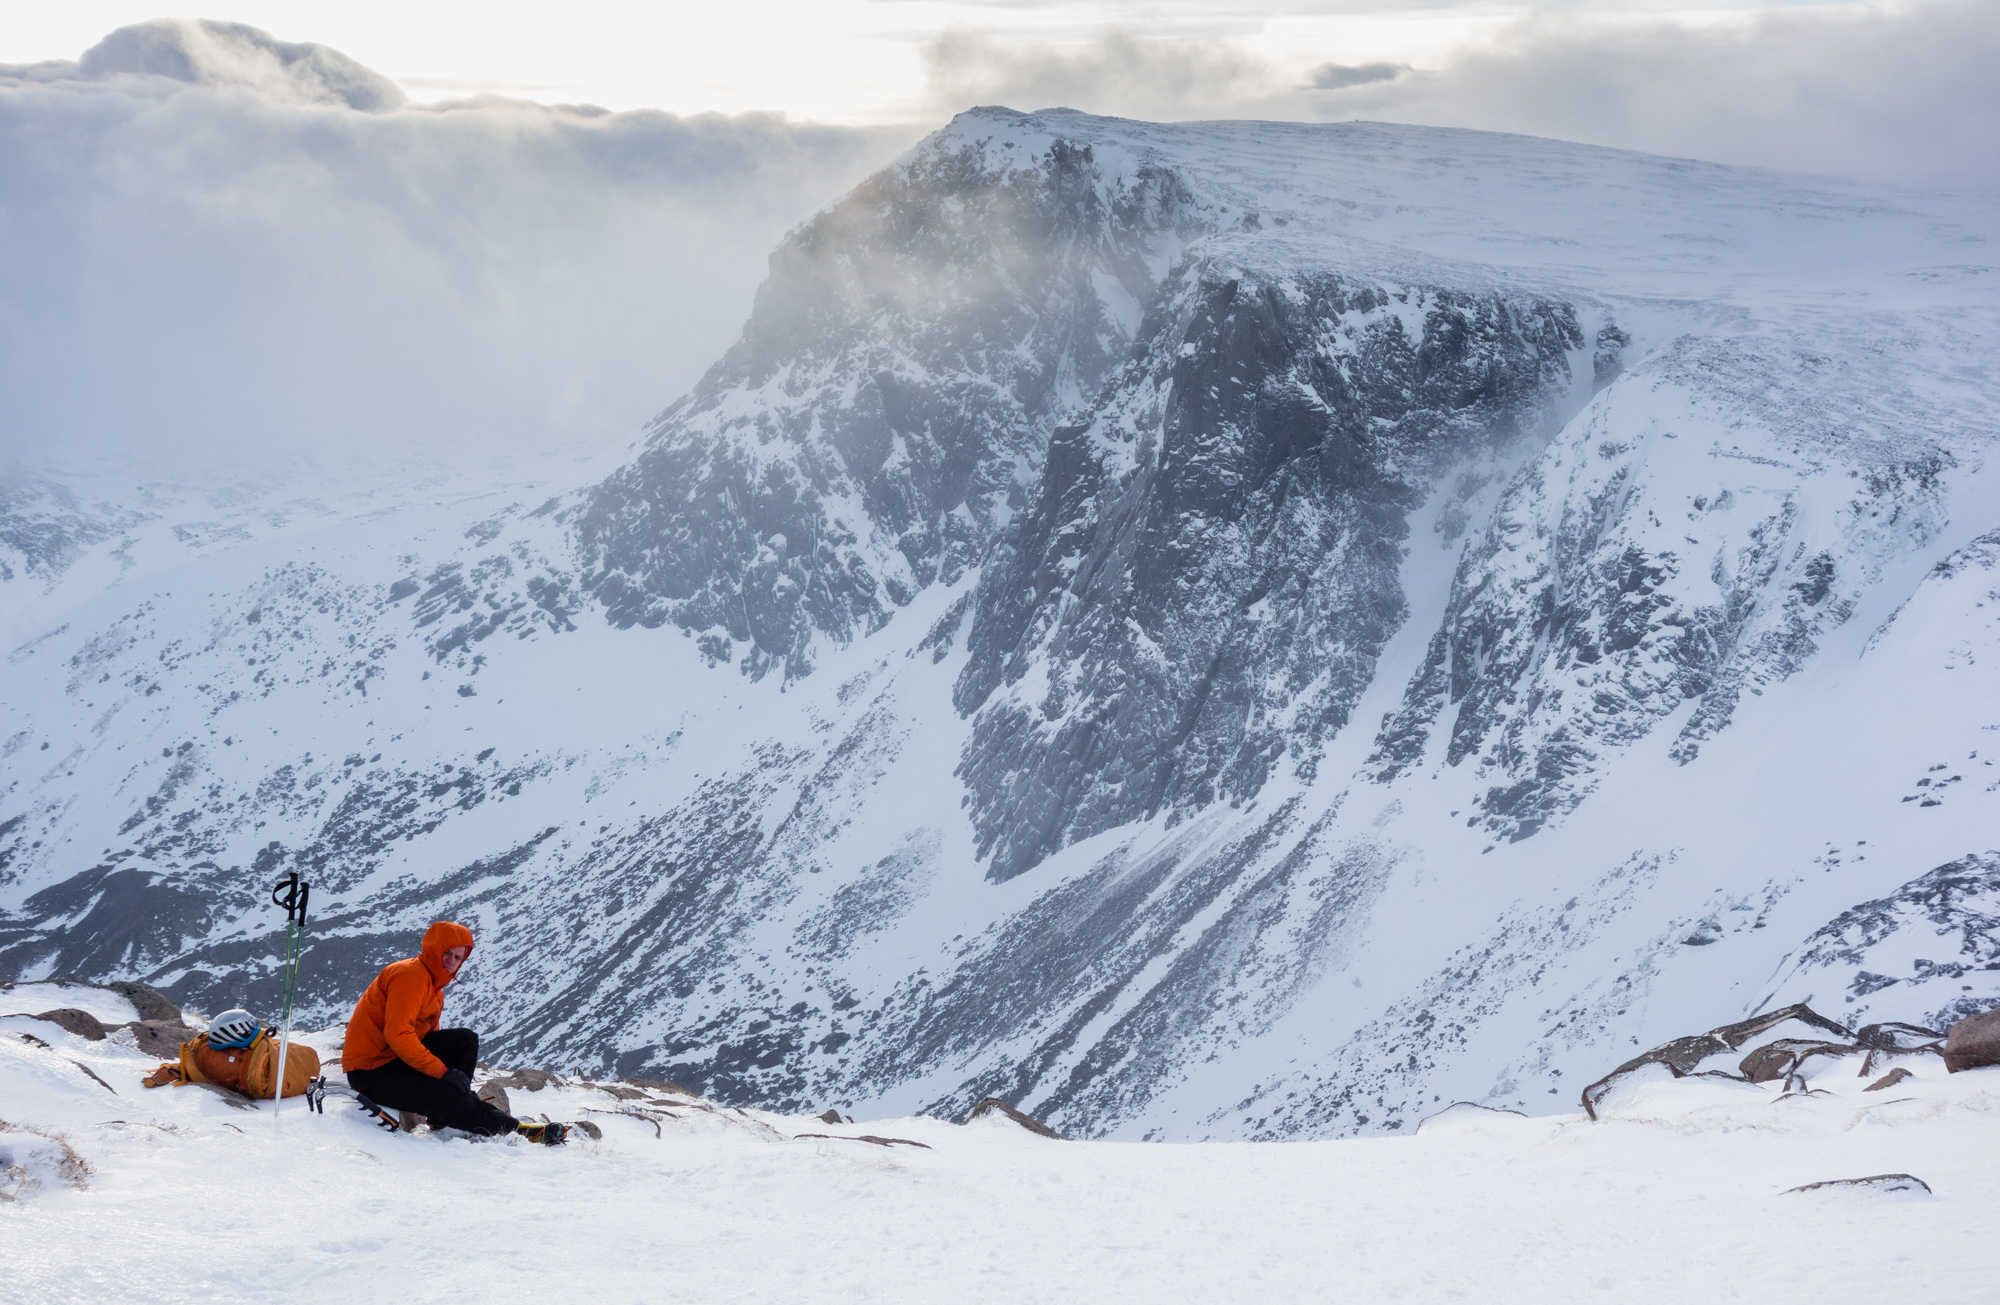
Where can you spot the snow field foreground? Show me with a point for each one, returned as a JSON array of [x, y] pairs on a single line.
[[1679, 1193]]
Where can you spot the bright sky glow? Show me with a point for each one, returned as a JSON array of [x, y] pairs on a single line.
[[847, 61]]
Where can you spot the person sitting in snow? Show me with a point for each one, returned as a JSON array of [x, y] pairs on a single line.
[[398, 1057]]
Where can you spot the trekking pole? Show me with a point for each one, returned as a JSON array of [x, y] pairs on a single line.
[[290, 895]]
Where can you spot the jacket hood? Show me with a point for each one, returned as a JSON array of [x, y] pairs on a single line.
[[439, 939]]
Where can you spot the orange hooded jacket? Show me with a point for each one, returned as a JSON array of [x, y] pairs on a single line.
[[402, 1005]]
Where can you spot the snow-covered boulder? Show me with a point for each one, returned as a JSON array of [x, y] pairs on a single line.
[[1617, 1087], [1654, 1093], [1904, 1185], [1461, 1116], [32, 1160]]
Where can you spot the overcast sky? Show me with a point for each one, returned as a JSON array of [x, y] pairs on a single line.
[[835, 60], [1783, 80], [217, 255]]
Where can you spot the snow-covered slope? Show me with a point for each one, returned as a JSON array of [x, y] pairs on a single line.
[[1214, 630], [1682, 1189]]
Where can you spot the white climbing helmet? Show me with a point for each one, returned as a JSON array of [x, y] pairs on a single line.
[[233, 1028]]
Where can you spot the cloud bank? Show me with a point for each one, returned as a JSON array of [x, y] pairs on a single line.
[[1340, 76], [228, 249], [1121, 73], [1896, 93], [233, 250]]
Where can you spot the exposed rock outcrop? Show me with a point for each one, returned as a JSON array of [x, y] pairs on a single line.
[[1780, 1059], [148, 1003], [1896, 1036], [1778, 1055], [1774, 1036], [80, 1022], [154, 1037], [995, 1106], [1973, 1042]]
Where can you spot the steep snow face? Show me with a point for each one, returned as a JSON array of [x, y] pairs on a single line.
[[1227, 630], [1693, 537], [1936, 939]]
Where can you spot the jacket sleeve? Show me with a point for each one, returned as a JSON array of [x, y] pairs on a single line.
[[401, 1012]]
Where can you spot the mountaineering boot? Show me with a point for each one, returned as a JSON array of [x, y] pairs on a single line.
[[546, 1134], [410, 1120]]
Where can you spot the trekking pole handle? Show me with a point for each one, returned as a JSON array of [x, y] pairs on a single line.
[[289, 895]]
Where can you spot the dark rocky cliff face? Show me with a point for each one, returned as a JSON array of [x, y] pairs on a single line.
[[889, 403], [1210, 566]]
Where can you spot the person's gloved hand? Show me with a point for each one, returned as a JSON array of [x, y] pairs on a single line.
[[457, 1078]]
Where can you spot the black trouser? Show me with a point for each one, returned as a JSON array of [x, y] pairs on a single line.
[[401, 1087]]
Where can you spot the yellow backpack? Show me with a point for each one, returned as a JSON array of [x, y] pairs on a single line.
[[301, 1067], [259, 1059]]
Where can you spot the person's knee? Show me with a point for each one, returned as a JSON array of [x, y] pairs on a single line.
[[456, 1039], [457, 1048]]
